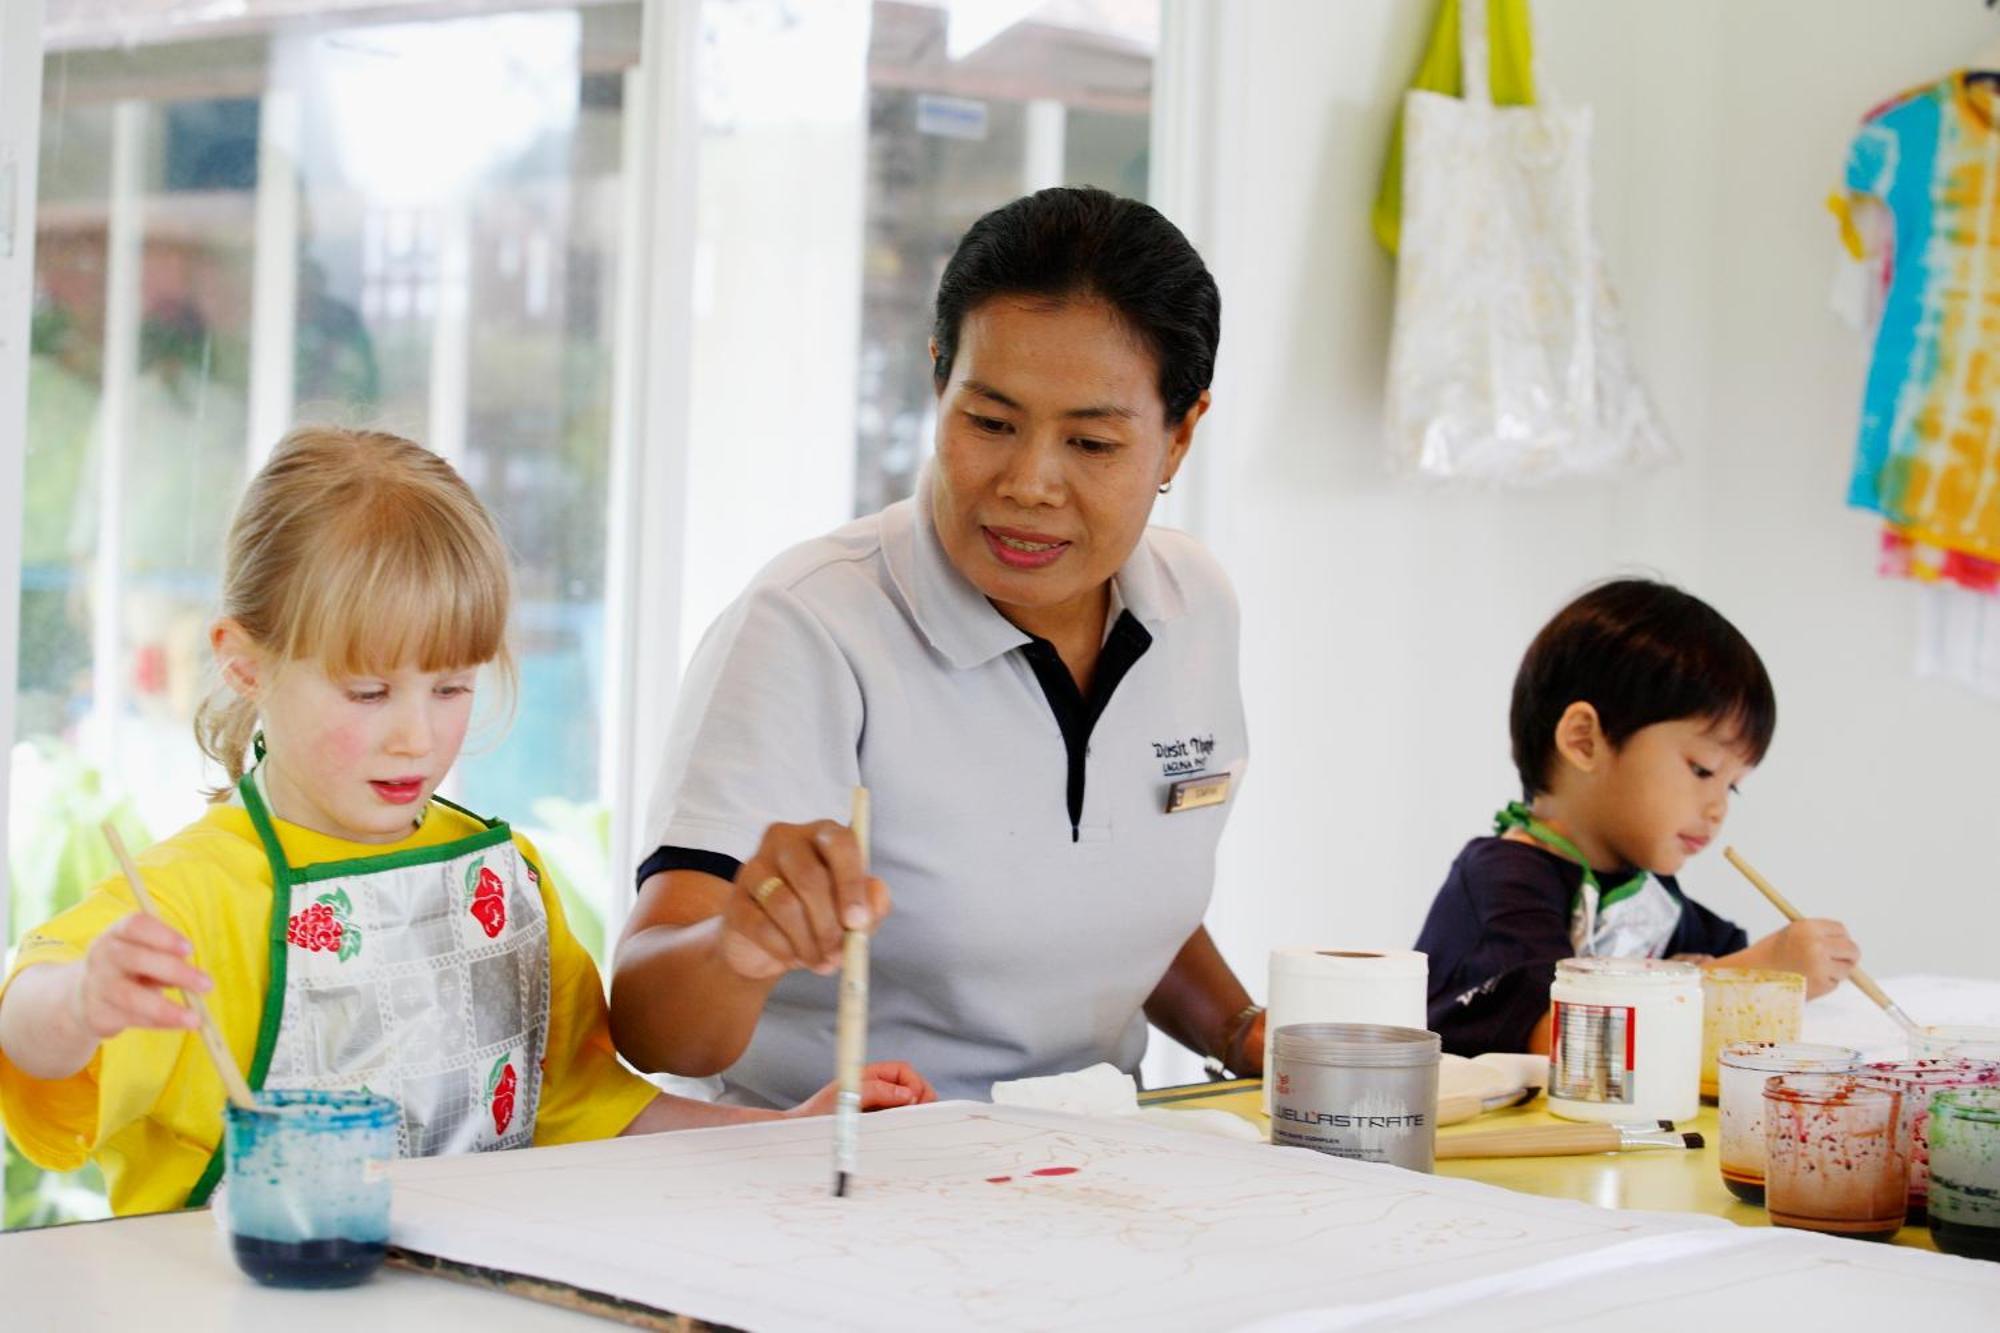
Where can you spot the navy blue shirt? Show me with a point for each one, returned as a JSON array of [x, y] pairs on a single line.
[[1500, 925]]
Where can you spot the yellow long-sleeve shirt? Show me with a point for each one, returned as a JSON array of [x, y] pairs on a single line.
[[148, 1107]]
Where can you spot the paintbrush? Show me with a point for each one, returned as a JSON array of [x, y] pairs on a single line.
[[850, 1039], [211, 1035], [1864, 982], [1465, 1105], [1566, 1140]]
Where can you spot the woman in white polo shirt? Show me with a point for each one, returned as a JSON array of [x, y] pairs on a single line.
[[1039, 691]]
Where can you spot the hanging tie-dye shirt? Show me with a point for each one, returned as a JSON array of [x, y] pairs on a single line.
[[1907, 557], [1928, 457]]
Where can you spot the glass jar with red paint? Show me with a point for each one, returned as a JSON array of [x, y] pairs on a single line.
[[1835, 1154], [1918, 1081]]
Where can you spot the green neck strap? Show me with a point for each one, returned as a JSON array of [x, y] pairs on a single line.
[[282, 877], [1518, 816]]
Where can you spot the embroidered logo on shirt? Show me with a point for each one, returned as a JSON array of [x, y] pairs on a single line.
[[500, 1085], [1180, 757], [486, 898], [325, 928]]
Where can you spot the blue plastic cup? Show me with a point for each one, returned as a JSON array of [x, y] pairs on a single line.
[[309, 1186]]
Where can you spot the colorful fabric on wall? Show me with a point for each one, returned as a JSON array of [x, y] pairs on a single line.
[[1904, 556], [1928, 455]]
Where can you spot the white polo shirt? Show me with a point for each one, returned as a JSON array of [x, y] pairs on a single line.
[[1022, 941]]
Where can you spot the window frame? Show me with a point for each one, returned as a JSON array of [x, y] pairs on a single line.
[[20, 142]]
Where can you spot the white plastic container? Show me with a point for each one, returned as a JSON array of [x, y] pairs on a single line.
[[1626, 1042], [1385, 986]]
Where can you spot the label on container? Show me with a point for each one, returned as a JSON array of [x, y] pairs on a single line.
[[1369, 1115], [1591, 1049]]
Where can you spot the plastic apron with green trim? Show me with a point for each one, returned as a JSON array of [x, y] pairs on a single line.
[[422, 975], [1635, 918]]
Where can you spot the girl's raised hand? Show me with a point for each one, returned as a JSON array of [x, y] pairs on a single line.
[[884, 1085], [123, 974]]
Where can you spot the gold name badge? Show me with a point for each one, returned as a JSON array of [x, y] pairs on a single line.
[[1196, 792]]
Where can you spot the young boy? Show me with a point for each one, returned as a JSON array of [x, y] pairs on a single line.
[[1635, 713]]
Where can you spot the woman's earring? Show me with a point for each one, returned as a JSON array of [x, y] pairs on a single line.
[[1166, 486]]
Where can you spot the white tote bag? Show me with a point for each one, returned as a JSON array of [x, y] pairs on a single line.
[[1508, 360]]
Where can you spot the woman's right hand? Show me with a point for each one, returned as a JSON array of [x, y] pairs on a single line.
[[124, 973], [795, 897]]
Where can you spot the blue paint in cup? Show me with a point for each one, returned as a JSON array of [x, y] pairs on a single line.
[[309, 1186]]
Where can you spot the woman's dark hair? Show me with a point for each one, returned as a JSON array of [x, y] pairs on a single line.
[[1639, 652], [1068, 242]]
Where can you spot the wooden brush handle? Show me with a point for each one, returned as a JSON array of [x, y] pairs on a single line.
[[1866, 985], [1460, 1106], [1862, 981], [1533, 1141], [211, 1036]]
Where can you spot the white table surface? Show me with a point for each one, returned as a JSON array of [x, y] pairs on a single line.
[[174, 1271]]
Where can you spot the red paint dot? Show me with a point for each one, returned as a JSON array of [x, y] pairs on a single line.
[[998, 1180], [1055, 1171]]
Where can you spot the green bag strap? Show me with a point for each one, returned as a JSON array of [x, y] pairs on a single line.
[[1510, 38], [1517, 815]]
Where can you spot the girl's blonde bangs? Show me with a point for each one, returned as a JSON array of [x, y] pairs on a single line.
[[401, 583]]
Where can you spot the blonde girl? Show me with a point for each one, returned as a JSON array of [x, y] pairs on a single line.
[[348, 925]]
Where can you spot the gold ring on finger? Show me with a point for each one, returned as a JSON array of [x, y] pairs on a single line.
[[762, 893]]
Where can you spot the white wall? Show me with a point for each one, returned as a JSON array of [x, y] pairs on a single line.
[[1383, 621]]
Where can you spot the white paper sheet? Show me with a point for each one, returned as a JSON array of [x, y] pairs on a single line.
[[1692, 1280], [1147, 1228]]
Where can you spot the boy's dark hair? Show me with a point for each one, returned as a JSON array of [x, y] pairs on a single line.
[[1639, 652], [1081, 241]]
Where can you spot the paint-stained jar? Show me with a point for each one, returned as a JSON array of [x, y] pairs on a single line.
[[1740, 1110], [1746, 1004], [1835, 1155], [1965, 1172], [1962, 1041], [308, 1185], [1918, 1080]]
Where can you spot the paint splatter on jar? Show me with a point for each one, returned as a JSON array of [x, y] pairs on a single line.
[[1964, 1129], [1835, 1155], [1917, 1080], [308, 1198], [1746, 1004], [1745, 1066]]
